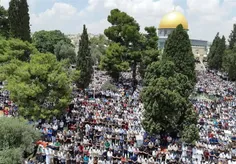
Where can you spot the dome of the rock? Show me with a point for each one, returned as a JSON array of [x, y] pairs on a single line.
[[172, 20]]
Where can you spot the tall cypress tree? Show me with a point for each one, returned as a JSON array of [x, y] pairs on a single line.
[[232, 38], [178, 50], [84, 61], [216, 54], [19, 20]]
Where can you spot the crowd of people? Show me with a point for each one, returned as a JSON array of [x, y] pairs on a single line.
[[107, 129]]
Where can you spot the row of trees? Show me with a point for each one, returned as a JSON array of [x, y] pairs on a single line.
[[222, 57], [168, 84], [15, 55], [15, 21], [39, 78], [38, 75], [168, 80]]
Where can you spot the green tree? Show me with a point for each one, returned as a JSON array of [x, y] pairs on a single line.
[[232, 38], [40, 87], [15, 49], [167, 69], [151, 41], [229, 63], [4, 24], [98, 47], [168, 84], [166, 106], [125, 31], [16, 140], [213, 49], [45, 41], [64, 50], [114, 61], [216, 54], [19, 20], [150, 51], [84, 61], [178, 49]]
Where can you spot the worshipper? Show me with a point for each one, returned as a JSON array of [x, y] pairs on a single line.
[[108, 129]]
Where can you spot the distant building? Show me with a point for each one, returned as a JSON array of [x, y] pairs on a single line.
[[169, 22], [76, 37]]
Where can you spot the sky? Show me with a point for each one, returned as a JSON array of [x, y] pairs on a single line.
[[205, 17]]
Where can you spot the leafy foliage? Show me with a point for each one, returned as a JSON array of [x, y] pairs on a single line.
[[215, 57], [41, 87], [15, 49], [98, 47], [19, 20], [232, 38], [114, 61], [125, 31], [4, 28], [16, 139], [151, 38], [84, 61], [178, 49], [168, 84], [150, 51], [64, 51], [165, 105], [166, 69], [45, 41], [229, 63]]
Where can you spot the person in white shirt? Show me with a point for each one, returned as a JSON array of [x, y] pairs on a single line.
[[47, 152], [109, 155], [151, 160]]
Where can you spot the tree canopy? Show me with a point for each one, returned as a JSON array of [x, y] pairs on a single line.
[[84, 61], [168, 84], [178, 49], [19, 20], [4, 28], [125, 30], [15, 49], [215, 56], [138, 49], [98, 46], [40, 87], [165, 105], [45, 41], [232, 38], [17, 140], [114, 61], [64, 51], [150, 51], [229, 63]]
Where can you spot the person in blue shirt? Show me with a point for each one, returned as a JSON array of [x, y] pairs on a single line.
[[133, 159], [86, 159], [49, 134]]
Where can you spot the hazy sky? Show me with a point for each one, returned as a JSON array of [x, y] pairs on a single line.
[[205, 17]]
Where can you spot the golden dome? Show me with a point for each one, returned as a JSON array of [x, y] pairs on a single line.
[[172, 20]]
